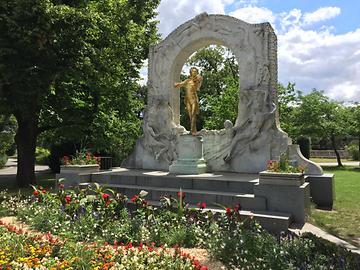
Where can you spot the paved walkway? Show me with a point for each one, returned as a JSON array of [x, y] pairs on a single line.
[[345, 163], [307, 227], [10, 169]]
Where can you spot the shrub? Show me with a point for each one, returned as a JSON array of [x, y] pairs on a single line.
[[353, 149], [42, 156], [3, 160], [57, 151], [305, 145]]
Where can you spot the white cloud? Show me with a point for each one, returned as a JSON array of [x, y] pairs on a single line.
[[252, 14], [324, 13], [310, 57], [173, 13], [322, 60]]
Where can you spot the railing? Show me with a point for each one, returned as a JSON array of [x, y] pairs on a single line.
[[328, 153], [105, 163]]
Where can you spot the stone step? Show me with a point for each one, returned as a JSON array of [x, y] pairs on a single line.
[[247, 201], [226, 182]]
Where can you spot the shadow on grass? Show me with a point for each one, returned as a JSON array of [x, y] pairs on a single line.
[[44, 179]]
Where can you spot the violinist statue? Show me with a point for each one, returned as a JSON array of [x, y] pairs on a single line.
[[192, 85]]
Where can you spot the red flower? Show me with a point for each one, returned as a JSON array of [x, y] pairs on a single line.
[[237, 207], [181, 194], [201, 205], [134, 198], [144, 203], [61, 186], [228, 210], [67, 199], [43, 191], [36, 193], [105, 196], [107, 203]]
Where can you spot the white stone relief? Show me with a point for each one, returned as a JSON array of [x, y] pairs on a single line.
[[256, 136]]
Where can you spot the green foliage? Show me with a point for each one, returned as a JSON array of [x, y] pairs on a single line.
[[66, 63], [42, 156], [353, 149], [304, 143], [98, 214], [220, 88], [288, 100], [7, 132]]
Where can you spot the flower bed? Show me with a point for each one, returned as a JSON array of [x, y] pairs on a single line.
[[100, 215], [19, 250]]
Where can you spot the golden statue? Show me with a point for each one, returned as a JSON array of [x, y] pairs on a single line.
[[192, 85]]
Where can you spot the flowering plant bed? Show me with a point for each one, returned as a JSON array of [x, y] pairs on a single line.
[[95, 214], [19, 250], [81, 158]]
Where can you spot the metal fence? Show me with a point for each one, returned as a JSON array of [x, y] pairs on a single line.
[[328, 153], [105, 163]]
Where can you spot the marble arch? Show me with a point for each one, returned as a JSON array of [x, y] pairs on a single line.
[[254, 138]]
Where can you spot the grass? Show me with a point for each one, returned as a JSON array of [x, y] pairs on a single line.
[[46, 180], [344, 220]]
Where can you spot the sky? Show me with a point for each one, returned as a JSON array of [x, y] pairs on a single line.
[[318, 41]]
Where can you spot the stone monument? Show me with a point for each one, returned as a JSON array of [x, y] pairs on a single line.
[[244, 146]]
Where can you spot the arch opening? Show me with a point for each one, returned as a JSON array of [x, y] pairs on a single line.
[[219, 93]]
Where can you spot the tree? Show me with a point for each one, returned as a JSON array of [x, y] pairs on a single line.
[[220, 89], [354, 126], [288, 101], [317, 116], [63, 61]]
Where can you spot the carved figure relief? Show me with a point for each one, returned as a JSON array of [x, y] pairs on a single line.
[[159, 132], [255, 126]]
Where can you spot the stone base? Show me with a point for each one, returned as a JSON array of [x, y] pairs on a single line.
[[322, 189], [286, 199], [284, 179], [76, 174], [188, 167], [190, 156]]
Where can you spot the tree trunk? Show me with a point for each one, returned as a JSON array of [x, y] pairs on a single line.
[[25, 139], [333, 143]]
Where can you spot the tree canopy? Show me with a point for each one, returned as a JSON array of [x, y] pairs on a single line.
[[66, 63]]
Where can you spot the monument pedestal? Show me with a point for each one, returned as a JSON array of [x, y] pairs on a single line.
[[285, 193], [190, 156]]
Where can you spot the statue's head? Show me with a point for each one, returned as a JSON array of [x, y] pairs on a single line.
[[194, 72]]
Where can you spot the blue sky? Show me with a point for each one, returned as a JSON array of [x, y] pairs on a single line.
[[318, 41]]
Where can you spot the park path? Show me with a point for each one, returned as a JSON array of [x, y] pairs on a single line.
[[10, 169]]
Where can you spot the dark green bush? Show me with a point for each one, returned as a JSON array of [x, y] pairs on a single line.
[[3, 160], [305, 145], [59, 150]]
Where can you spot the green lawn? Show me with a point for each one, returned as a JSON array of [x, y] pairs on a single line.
[[46, 180], [344, 220]]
